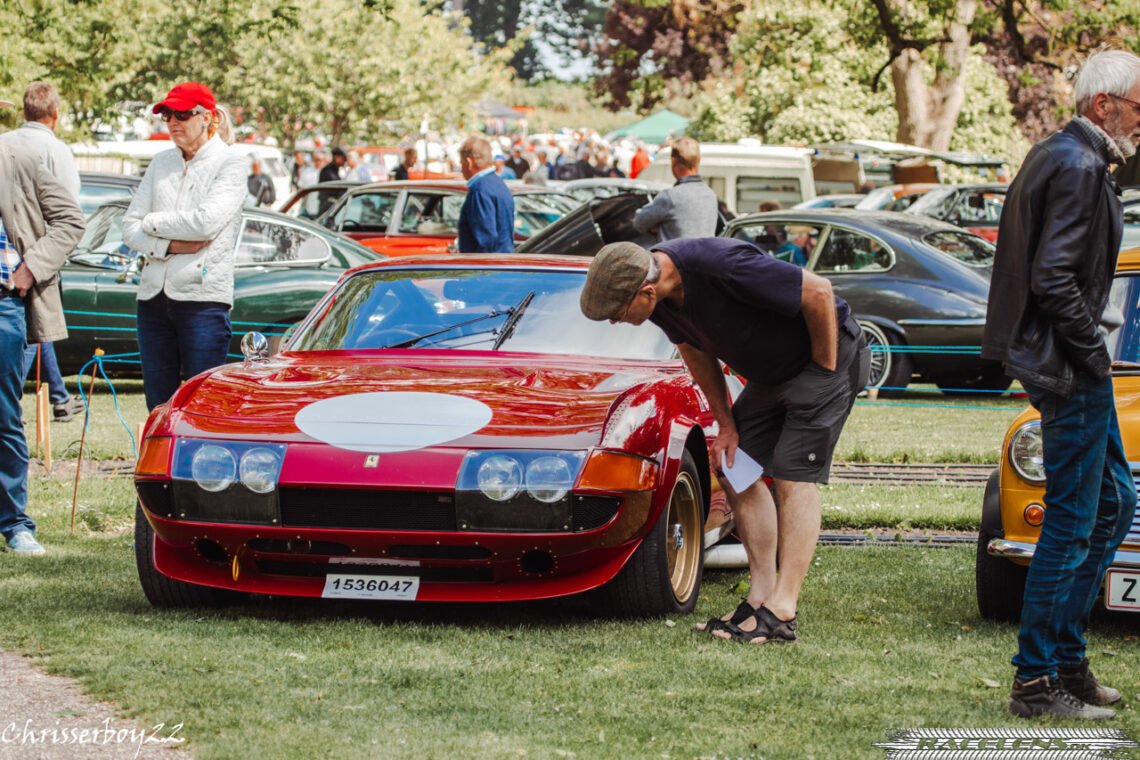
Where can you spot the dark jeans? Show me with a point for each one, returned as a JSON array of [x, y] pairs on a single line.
[[178, 340], [1089, 500], [13, 444], [49, 371]]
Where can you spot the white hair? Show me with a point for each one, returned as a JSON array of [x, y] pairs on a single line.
[[654, 272], [1112, 72]]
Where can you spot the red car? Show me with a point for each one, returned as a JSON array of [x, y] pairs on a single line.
[[975, 207], [436, 430], [411, 217]]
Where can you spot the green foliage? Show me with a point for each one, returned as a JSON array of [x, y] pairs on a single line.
[[564, 104], [805, 74], [360, 70]]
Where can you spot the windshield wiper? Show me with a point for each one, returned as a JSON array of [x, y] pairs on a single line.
[[413, 341], [516, 313]]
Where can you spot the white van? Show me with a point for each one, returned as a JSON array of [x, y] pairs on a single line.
[[743, 174], [134, 156]]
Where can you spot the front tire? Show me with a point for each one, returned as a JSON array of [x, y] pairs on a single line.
[[999, 583], [890, 370], [663, 576], [166, 592]]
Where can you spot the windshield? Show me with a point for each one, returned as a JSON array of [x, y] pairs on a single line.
[[1124, 301], [466, 309], [102, 243], [964, 246]]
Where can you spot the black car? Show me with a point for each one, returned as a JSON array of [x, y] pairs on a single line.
[[917, 285]]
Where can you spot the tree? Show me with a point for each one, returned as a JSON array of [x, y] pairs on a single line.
[[567, 28], [1035, 44], [652, 49], [800, 78], [379, 76]]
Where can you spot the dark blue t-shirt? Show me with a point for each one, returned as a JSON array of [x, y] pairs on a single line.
[[742, 306]]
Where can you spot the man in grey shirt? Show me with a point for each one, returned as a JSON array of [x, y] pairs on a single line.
[[37, 137], [686, 210]]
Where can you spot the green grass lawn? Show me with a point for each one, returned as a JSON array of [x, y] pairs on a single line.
[[891, 637]]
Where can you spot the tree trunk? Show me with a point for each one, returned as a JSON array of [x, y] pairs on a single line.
[[929, 112]]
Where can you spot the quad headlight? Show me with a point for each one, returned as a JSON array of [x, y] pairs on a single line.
[[215, 466], [1026, 452], [545, 476]]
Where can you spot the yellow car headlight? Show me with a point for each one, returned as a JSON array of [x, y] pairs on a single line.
[[1026, 452]]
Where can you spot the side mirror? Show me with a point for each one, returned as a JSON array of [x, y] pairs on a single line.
[[133, 270], [254, 347]]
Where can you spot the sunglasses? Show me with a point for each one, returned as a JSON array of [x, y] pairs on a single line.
[[166, 114]]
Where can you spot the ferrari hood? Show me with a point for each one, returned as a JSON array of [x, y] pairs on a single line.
[[428, 397]]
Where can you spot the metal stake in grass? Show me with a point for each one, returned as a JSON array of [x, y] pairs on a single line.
[[83, 437]]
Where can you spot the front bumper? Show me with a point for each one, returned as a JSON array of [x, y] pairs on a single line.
[[1000, 547], [452, 565]]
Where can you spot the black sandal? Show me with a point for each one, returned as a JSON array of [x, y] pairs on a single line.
[[743, 611], [768, 627]]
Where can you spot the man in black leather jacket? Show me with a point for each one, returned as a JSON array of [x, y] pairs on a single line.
[[1057, 247]]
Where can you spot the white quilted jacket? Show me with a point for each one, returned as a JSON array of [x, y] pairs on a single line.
[[199, 199]]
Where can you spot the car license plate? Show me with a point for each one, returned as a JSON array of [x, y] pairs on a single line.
[[344, 586], [1122, 590]]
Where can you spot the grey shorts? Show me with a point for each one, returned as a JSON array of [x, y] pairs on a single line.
[[792, 428]]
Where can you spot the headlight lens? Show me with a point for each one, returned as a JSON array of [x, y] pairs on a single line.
[[213, 468], [258, 470], [1026, 452], [548, 479], [500, 477]]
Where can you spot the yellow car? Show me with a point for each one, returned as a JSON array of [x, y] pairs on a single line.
[[1014, 504]]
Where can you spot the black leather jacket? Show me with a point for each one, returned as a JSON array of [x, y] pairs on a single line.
[[1056, 254]]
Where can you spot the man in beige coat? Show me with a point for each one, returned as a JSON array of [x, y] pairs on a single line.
[[40, 223]]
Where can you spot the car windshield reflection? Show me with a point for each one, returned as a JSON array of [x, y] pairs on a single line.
[[102, 244], [1124, 343], [441, 309]]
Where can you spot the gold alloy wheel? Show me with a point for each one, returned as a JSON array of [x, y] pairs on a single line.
[[683, 538]]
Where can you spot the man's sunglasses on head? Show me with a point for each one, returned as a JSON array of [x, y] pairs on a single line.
[[167, 114]]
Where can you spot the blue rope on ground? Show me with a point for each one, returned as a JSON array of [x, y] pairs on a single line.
[[132, 316], [973, 407], [98, 362]]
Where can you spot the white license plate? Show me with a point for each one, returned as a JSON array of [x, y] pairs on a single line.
[[1122, 590], [344, 586]]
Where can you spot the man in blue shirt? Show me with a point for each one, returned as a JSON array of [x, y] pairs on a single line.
[[802, 352], [487, 218]]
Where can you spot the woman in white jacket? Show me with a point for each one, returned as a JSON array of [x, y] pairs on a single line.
[[185, 219]]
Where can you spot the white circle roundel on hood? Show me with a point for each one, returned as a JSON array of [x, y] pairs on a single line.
[[375, 423]]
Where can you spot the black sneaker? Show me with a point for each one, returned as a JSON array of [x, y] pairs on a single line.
[[64, 411], [1079, 681], [1046, 696]]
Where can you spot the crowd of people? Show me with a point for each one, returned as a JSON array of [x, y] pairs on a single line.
[[721, 301], [578, 154]]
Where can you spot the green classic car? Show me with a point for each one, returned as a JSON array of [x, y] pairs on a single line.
[[284, 265]]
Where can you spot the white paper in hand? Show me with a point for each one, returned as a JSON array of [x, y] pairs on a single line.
[[743, 473]]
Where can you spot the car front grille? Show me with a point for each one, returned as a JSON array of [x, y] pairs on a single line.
[[367, 509], [432, 511], [1133, 536]]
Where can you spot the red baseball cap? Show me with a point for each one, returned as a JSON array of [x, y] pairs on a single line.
[[186, 96]]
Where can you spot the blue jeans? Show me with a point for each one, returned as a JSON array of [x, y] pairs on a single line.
[[49, 367], [1089, 500], [13, 444], [178, 340]]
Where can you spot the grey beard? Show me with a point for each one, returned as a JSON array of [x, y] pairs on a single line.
[[1127, 147]]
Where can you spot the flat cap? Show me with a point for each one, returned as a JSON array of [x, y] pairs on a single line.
[[615, 276]]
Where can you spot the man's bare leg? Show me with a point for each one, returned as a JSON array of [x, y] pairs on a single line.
[[798, 521], [754, 513]]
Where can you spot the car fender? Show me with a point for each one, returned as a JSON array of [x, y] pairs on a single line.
[[991, 507]]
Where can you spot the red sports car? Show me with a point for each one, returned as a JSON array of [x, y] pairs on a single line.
[[413, 217], [436, 430]]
